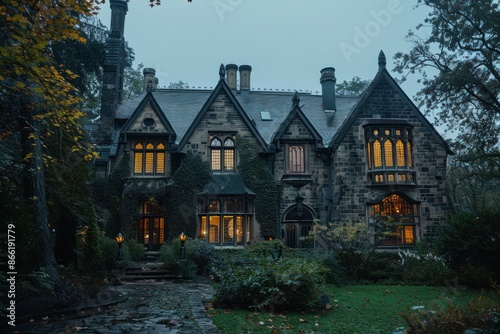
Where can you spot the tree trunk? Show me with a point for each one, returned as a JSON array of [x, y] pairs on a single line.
[[34, 192]]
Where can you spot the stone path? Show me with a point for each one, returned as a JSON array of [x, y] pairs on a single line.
[[151, 307]]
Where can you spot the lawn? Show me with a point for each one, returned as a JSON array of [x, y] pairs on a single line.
[[354, 309]]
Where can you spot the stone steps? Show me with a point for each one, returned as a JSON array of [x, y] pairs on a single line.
[[148, 269]]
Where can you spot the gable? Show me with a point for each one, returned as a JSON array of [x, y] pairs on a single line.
[[221, 113], [296, 130], [384, 99], [148, 118], [142, 123]]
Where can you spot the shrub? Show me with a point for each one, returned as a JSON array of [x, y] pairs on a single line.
[[470, 244], [482, 314], [135, 250], [170, 255], [109, 249], [261, 281], [203, 255], [423, 268], [349, 242]]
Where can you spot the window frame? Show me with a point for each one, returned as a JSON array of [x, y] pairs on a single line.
[[227, 153], [389, 152], [154, 155], [288, 159], [225, 221], [390, 218]]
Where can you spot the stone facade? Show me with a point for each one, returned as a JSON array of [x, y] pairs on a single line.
[[315, 147]]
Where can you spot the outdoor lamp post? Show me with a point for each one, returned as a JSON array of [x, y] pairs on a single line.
[[119, 239], [182, 238]]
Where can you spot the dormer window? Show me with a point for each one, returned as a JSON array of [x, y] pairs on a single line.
[[222, 153], [389, 152], [149, 158]]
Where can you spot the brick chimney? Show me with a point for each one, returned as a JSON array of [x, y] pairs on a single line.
[[328, 81], [231, 72], [245, 71], [114, 64], [150, 81]]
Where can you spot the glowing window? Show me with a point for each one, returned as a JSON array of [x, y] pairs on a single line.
[[149, 158]]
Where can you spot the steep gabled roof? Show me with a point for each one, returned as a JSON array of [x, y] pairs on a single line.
[[148, 98], [222, 87], [382, 75], [296, 112]]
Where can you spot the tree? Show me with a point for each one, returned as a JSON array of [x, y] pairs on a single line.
[[459, 63], [133, 82], [178, 85], [354, 87], [41, 100]]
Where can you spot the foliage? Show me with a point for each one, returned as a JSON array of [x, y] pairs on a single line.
[[266, 282], [482, 314], [473, 185], [135, 250], [354, 87], [133, 82], [89, 253], [459, 62], [423, 268], [350, 245], [178, 85], [35, 283], [109, 248], [203, 256], [257, 176], [182, 194], [470, 244], [170, 255]]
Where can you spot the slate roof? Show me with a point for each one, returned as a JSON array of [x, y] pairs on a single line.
[[181, 106], [227, 184]]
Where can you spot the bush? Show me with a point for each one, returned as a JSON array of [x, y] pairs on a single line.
[[135, 250], [262, 282], [203, 255], [109, 249], [470, 244], [481, 315], [170, 255], [423, 268]]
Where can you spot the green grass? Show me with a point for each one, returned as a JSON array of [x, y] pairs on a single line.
[[354, 309]]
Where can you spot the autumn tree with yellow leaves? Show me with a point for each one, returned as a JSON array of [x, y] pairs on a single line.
[[40, 112]]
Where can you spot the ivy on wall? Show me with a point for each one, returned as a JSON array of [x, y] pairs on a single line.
[[107, 196], [258, 178], [182, 193]]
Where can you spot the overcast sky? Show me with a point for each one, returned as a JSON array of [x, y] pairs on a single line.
[[287, 42]]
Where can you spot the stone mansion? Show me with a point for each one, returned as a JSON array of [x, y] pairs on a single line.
[[331, 158]]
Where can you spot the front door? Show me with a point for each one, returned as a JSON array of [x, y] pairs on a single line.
[[151, 225], [151, 232]]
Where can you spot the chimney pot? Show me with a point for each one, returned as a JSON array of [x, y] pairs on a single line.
[[231, 70], [328, 82], [245, 71], [150, 81]]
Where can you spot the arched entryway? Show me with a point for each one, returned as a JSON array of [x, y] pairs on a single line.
[[298, 221]]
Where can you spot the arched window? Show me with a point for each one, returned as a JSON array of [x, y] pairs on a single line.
[[394, 220], [222, 153], [149, 158], [296, 159], [389, 153]]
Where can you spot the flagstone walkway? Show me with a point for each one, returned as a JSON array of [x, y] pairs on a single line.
[[151, 307]]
